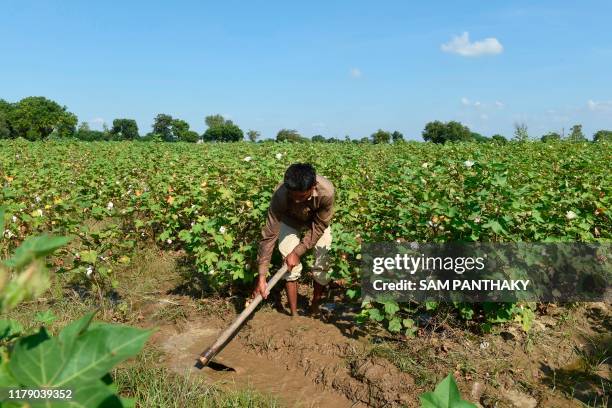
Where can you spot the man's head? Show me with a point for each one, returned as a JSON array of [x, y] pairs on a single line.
[[300, 181]]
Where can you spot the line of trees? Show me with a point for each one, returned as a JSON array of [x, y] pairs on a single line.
[[38, 118]]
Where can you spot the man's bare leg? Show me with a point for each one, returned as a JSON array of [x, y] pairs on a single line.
[[291, 288], [316, 298]]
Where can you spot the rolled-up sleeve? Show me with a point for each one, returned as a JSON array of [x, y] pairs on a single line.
[[321, 221], [269, 234]]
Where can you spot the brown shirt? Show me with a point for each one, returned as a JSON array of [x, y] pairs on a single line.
[[313, 215]]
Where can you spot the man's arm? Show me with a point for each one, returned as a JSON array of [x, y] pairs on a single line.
[[269, 234], [321, 221]]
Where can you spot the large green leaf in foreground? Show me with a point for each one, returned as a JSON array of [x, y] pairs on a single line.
[[446, 395], [77, 359]]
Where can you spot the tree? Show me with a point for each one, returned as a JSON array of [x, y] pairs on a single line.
[[221, 130], [253, 135], [106, 132], [520, 132], [124, 129], [86, 134], [290, 135], [83, 127], [381, 136], [216, 120], [152, 137], [477, 137], [162, 125], [576, 134], [397, 137], [499, 139], [189, 136], [6, 132], [180, 131], [318, 139], [603, 136], [550, 137], [227, 132], [365, 139], [66, 126], [439, 132], [36, 117]]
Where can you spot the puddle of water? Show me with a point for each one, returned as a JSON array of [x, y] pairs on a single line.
[[250, 369]]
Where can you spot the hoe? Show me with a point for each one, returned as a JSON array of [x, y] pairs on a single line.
[[225, 337]]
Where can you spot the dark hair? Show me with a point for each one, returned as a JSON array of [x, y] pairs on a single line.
[[300, 177]]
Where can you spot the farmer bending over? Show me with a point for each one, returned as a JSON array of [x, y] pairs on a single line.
[[303, 202]]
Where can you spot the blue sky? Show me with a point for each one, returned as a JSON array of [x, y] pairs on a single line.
[[331, 67]]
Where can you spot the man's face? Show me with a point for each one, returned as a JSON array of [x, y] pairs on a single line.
[[300, 196]]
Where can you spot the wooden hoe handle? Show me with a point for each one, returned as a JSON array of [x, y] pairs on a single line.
[[227, 334]]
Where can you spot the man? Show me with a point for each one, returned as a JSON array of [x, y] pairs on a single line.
[[303, 202]]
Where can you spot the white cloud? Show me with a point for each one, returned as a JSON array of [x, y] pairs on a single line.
[[482, 105], [355, 73], [97, 121], [602, 106], [461, 45], [466, 102], [484, 116]]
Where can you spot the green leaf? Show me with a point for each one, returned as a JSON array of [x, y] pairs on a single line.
[[446, 395], [33, 248], [47, 317], [376, 315], [408, 323], [82, 354], [89, 257], [74, 329], [10, 328], [351, 293], [6, 378], [99, 349], [391, 307], [93, 394], [495, 226], [36, 359], [395, 325]]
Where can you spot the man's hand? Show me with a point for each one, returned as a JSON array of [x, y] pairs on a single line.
[[261, 288], [292, 260]]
